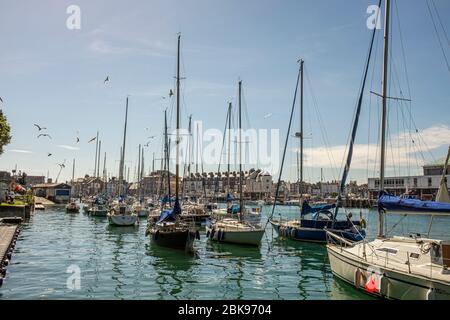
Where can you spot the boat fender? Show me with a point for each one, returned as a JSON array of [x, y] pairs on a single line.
[[5, 262], [357, 281], [155, 237], [212, 233], [1, 281], [197, 235], [219, 234], [2, 273], [222, 236], [207, 233], [431, 294], [363, 223]]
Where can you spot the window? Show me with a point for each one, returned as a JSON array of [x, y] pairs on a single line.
[[415, 182], [430, 182]]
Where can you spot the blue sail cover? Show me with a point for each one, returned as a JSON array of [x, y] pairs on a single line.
[[167, 215], [229, 197], [306, 208], [390, 202], [234, 208]]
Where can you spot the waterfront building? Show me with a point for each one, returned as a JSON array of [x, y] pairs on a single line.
[[87, 186], [424, 186], [56, 192]]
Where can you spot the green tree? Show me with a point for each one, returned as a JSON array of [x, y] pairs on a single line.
[[5, 132]]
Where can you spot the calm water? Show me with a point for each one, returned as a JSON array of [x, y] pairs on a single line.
[[120, 263]]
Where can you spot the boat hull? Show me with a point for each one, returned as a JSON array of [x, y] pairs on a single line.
[[180, 239], [98, 213], [122, 220], [252, 237], [318, 235], [392, 284]]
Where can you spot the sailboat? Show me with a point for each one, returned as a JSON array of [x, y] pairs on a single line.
[[170, 230], [236, 230], [120, 214], [407, 268], [411, 204], [232, 209], [313, 219]]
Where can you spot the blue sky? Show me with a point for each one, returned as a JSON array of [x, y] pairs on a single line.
[[54, 76]]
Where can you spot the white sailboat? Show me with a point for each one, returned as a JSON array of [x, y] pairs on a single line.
[[121, 214], [236, 230], [407, 268]]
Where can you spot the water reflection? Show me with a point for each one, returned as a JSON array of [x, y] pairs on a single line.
[[173, 270]]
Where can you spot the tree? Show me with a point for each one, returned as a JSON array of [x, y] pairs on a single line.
[[5, 132]]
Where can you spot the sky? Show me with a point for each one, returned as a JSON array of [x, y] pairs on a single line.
[[54, 76]]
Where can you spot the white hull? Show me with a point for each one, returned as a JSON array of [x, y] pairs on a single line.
[[247, 236], [122, 220], [392, 283]]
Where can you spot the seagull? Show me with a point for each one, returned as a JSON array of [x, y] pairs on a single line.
[[39, 127], [62, 165], [44, 135], [170, 93], [106, 80], [93, 139], [78, 139], [268, 115], [49, 154], [1, 99]]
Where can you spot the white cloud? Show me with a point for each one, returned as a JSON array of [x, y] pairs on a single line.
[[20, 151], [63, 146], [401, 151]]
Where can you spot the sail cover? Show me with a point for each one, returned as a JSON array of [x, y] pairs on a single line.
[[306, 208], [390, 202]]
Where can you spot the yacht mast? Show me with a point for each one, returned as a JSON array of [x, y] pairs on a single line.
[[229, 148], [121, 177], [300, 186], [177, 142], [384, 95], [241, 200]]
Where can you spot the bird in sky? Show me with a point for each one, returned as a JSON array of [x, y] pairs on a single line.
[[49, 154], [1, 99], [93, 139], [44, 135], [39, 127], [61, 165], [170, 93], [106, 80]]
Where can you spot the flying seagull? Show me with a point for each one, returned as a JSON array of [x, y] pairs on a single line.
[[1, 99], [93, 139], [78, 139], [106, 80], [44, 135], [39, 127], [170, 93], [49, 154]]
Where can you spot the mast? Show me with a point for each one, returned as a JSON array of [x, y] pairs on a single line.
[[98, 160], [177, 142], [123, 150], [96, 150], [241, 200], [384, 95], [300, 186], [73, 171], [229, 148], [166, 154], [139, 172]]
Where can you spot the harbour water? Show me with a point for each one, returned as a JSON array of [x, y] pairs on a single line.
[[121, 263]]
